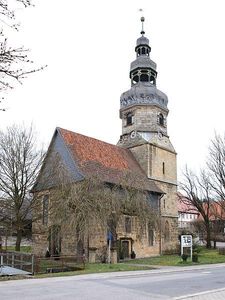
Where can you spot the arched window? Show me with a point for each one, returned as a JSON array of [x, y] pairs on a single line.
[[144, 77], [128, 224], [55, 240], [45, 203], [139, 52], [143, 50], [152, 80], [150, 235], [136, 79], [167, 232], [161, 119]]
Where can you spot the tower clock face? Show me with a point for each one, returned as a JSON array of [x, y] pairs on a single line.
[[133, 134], [160, 135]]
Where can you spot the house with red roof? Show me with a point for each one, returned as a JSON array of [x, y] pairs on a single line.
[[187, 213], [190, 219], [144, 151]]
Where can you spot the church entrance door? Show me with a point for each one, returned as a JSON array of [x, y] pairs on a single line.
[[125, 249]]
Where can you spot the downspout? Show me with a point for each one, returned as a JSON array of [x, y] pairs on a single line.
[[148, 163]]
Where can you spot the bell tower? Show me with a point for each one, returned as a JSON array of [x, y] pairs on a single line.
[[144, 112]]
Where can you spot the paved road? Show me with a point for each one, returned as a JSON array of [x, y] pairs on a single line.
[[167, 283]]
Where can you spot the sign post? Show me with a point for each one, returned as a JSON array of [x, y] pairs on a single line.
[[109, 241], [186, 242]]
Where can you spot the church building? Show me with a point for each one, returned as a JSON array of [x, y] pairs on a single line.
[[144, 149]]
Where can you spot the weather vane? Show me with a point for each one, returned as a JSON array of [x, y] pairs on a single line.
[[142, 21]]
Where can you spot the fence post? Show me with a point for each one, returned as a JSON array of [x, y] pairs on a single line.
[[32, 264], [13, 260], [37, 262], [21, 261], [1, 264]]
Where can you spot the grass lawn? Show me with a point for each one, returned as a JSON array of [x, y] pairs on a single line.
[[98, 268], [26, 249], [204, 257]]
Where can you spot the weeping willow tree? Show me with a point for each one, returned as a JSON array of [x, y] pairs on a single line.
[[93, 202]]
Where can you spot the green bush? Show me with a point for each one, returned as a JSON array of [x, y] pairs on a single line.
[[184, 257], [195, 257], [133, 255], [196, 248]]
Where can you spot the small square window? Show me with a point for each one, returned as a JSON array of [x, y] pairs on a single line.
[[130, 119]]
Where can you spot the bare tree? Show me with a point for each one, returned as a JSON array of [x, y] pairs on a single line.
[[198, 193], [7, 11], [15, 63], [216, 166], [20, 162], [207, 191]]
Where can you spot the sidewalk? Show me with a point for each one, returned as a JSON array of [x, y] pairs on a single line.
[[208, 295]]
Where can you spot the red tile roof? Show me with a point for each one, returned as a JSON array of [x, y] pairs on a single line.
[[216, 211], [186, 208], [184, 205], [111, 163]]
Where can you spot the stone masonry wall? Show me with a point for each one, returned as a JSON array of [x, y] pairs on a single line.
[[163, 164], [145, 117], [160, 165], [171, 242], [95, 237], [39, 231]]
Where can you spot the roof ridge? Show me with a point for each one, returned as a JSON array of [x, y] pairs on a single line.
[[94, 155], [90, 137]]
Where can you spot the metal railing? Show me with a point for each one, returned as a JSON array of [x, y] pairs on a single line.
[[55, 264], [18, 260]]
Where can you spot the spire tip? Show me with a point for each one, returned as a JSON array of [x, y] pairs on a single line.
[[142, 21]]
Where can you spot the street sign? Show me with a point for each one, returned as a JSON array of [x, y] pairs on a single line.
[[186, 240]]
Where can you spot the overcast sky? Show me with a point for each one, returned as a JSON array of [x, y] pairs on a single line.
[[88, 47]]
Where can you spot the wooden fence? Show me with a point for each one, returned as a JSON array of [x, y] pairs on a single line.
[[19, 260]]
